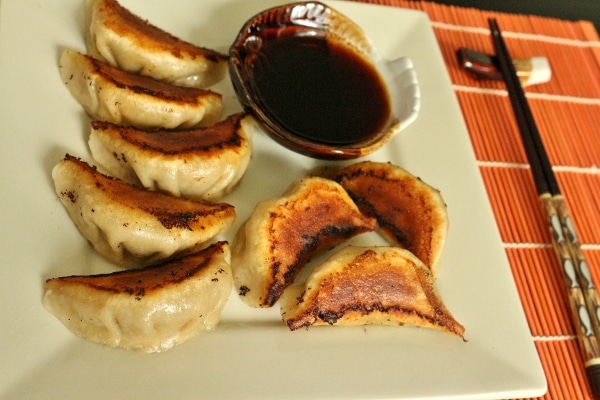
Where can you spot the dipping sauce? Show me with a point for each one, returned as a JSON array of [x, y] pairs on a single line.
[[320, 90]]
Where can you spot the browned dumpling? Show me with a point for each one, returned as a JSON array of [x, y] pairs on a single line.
[[410, 213], [109, 94], [368, 285], [197, 163], [126, 41], [284, 232], [131, 226], [145, 310]]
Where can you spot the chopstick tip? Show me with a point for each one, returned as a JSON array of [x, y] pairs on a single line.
[[593, 375], [493, 23]]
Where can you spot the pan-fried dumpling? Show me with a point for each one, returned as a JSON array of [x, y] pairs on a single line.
[[368, 285], [145, 310], [410, 213], [109, 94], [125, 41], [284, 232], [131, 226], [196, 163]]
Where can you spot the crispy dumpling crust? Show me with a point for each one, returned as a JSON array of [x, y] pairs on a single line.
[[126, 41], [284, 232], [131, 226], [145, 310], [109, 94], [368, 285], [196, 163], [410, 213]]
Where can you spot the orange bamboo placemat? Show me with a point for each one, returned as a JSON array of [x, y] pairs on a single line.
[[567, 111]]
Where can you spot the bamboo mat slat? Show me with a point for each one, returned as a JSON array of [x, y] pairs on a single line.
[[515, 205], [564, 369], [541, 291], [564, 127], [567, 111]]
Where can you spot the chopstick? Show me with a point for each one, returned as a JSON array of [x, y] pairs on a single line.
[[583, 297]]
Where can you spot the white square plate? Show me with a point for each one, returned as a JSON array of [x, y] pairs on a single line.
[[251, 354]]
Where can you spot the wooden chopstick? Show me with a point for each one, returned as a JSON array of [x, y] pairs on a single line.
[[583, 297]]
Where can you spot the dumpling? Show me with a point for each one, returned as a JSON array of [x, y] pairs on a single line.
[[410, 213], [109, 94], [368, 285], [196, 163], [283, 233], [145, 310], [131, 226], [125, 41]]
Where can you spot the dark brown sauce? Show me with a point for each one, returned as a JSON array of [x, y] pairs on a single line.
[[320, 90]]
